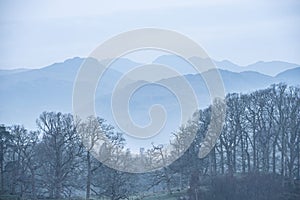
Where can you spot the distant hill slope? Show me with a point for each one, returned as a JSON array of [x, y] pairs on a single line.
[[291, 76], [25, 94], [12, 71], [271, 68]]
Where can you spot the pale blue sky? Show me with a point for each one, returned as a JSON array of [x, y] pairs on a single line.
[[37, 33]]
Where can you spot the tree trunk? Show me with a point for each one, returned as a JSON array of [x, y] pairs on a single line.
[[2, 163], [274, 158], [282, 156], [168, 180], [89, 176], [243, 155], [298, 161], [229, 162], [214, 161], [248, 161], [254, 155], [234, 156], [33, 187], [222, 159]]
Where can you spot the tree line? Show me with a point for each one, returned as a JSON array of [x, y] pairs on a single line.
[[257, 155]]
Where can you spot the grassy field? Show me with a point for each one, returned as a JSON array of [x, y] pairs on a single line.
[[163, 196], [155, 196]]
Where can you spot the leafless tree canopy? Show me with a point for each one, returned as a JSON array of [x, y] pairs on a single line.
[[257, 155]]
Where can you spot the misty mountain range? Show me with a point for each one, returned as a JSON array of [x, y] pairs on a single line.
[[25, 93]]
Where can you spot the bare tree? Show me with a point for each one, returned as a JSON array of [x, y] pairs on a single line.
[[24, 154], [59, 151], [5, 144]]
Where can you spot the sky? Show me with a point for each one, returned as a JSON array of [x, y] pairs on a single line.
[[37, 33]]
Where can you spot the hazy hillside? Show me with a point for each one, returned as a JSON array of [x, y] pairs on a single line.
[[12, 71], [271, 68], [291, 76], [26, 93]]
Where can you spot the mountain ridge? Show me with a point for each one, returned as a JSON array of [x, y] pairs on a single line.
[[280, 66], [25, 94]]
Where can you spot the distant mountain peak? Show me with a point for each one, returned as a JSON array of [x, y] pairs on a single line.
[[50, 88]]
